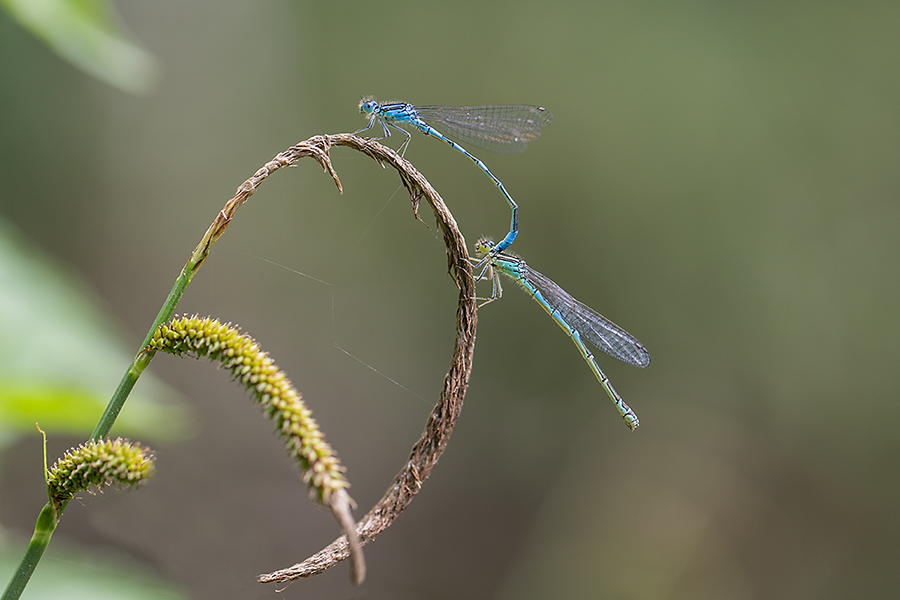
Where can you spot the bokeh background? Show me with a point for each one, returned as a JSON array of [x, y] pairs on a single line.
[[720, 178]]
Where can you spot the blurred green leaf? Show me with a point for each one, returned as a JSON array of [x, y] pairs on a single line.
[[61, 358], [88, 34], [77, 574]]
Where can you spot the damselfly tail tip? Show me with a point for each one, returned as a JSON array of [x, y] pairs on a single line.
[[632, 421]]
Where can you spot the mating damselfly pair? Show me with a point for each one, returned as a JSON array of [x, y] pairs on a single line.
[[508, 129]]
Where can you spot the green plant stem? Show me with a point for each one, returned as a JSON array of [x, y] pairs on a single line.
[[43, 530], [143, 358]]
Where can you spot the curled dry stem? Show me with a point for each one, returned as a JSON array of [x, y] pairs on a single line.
[[426, 451]]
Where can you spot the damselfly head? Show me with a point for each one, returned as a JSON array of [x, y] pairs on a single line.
[[367, 105], [483, 246]]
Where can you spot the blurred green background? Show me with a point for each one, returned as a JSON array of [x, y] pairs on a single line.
[[720, 179]]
